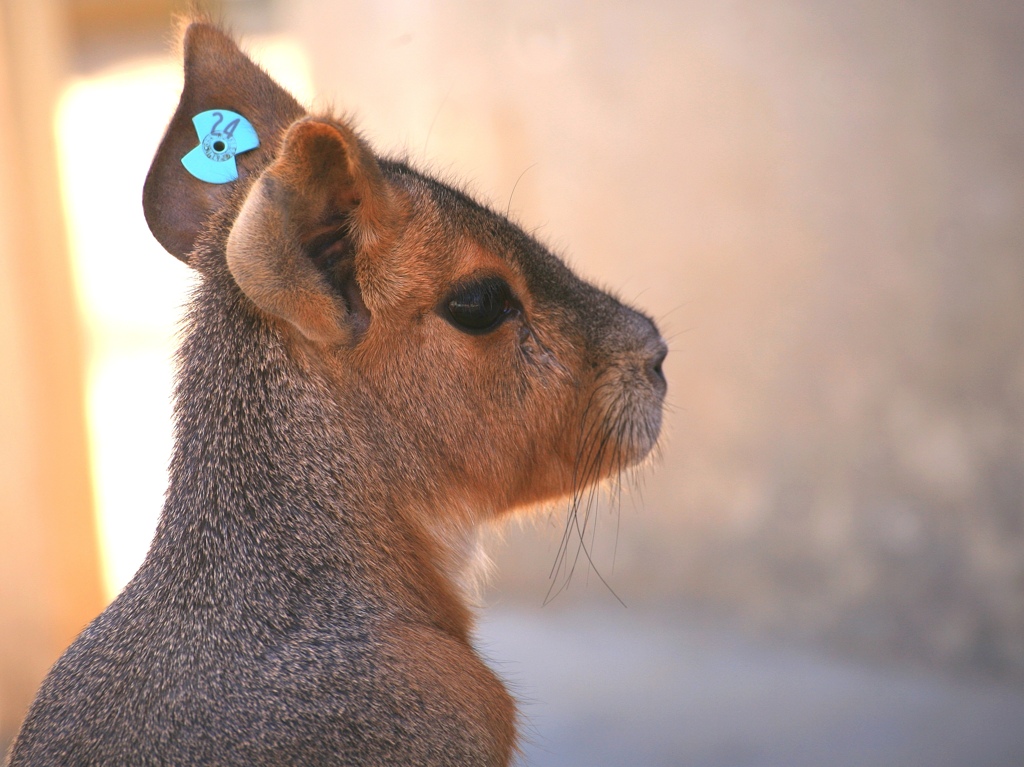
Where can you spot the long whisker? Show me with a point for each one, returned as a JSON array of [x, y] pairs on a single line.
[[430, 130], [581, 471], [580, 478], [620, 430], [512, 193]]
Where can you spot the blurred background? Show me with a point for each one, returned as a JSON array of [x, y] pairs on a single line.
[[822, 204]]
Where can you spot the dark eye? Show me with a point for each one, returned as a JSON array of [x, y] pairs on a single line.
[[479, 307]]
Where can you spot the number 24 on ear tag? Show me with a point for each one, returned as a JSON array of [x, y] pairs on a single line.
[[222, 135]]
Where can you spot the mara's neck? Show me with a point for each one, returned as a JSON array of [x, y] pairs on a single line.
[[270, 494]]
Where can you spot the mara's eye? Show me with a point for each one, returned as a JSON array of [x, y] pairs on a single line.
[[479, 307]]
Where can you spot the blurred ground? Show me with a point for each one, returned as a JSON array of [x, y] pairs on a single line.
[[624, 688]]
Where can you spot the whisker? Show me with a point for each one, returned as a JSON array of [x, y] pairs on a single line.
[[430, 130], [611, 431], [581, 471], [512, 193], [592, 469], [664, 316]]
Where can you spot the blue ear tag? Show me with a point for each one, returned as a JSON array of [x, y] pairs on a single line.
[[222, 135]]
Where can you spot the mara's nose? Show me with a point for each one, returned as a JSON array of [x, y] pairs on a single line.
[[655, 374]]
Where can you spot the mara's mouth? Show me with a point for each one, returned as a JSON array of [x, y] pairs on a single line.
[[619, 428]]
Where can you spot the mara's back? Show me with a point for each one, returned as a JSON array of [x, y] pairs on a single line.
[[374, 366]]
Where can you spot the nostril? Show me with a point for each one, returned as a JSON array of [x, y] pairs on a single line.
[[654, 369]]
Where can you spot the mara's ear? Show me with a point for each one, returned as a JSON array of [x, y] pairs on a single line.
[[312, 219], [218, 76]]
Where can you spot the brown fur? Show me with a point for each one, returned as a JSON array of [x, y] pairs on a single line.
[[339, 440]]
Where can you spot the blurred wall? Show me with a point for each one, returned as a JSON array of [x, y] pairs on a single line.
[[822, 203]]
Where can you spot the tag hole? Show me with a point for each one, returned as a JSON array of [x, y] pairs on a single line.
[[219, 146]]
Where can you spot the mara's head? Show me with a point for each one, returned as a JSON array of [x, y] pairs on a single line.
[[485, 374]]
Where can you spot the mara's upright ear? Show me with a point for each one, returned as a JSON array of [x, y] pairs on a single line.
[[311, 231], [218, 76]]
